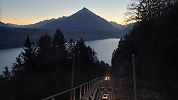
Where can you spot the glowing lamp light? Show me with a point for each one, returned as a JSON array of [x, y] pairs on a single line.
[[107, 78]]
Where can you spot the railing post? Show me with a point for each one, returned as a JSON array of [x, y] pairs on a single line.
[[84, 89], [71, 94], [87, 86], [74, 94], [53, 98], [80, 92], [90, 85]]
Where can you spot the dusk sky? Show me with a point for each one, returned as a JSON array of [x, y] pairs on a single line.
[[32, 11]]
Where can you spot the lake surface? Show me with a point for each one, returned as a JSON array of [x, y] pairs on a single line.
[[104, 49], [8, 56]]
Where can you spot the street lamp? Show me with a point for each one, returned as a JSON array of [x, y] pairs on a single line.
[[72, 79], [134, 77], [72, 93]]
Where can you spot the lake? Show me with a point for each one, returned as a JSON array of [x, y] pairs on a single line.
[[104, 49]]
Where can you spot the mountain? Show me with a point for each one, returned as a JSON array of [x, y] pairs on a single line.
[[86, 24], [12, 37], [83, 23], [118, 26], [124, 28], [83, 20], [128, 28], [9, 25], [4, 25], [38, 25]]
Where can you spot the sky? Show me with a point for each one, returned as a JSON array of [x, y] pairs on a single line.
[[31, 11]]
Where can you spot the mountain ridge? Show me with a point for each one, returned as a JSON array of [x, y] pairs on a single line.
[[42, 23], [83, 20], [82, 24]]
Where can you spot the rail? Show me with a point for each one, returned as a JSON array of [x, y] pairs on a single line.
[[83, 89]]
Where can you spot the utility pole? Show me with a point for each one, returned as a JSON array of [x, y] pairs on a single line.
[[72, 95], [134, 77]]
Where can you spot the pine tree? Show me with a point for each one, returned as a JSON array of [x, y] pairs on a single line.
[[45, 56], [70, 47], [86, 61], [26, 62], [59, 48], [80, 46], [59, 40], [18, 68], [6, 73], [45, 42], [29, 56]]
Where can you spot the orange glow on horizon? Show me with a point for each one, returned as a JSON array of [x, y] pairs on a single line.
[[25, 21], [17, 21], [31, 21]]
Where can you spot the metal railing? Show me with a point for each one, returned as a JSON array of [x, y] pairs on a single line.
[[82, 90]]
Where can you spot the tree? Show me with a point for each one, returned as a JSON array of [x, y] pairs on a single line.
[[59, 48], [144, 10], [70, 47], [45, 42], [29, 56], [45, 50], [86, 61], [6, 73], [58, 40], [18, 68], [26, 62]]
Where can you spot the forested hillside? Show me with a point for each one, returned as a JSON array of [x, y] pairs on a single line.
[[154, 42]]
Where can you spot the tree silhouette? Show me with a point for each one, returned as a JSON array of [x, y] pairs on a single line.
[[59, 49], [58, 40], [6, 73], [17, 69], [29, 56], [45, 42], [144, 10], [45, 53], [70, 47]]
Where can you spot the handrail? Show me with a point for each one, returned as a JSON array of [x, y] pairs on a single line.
[[57, 94], [87, 82], [96, 90]]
